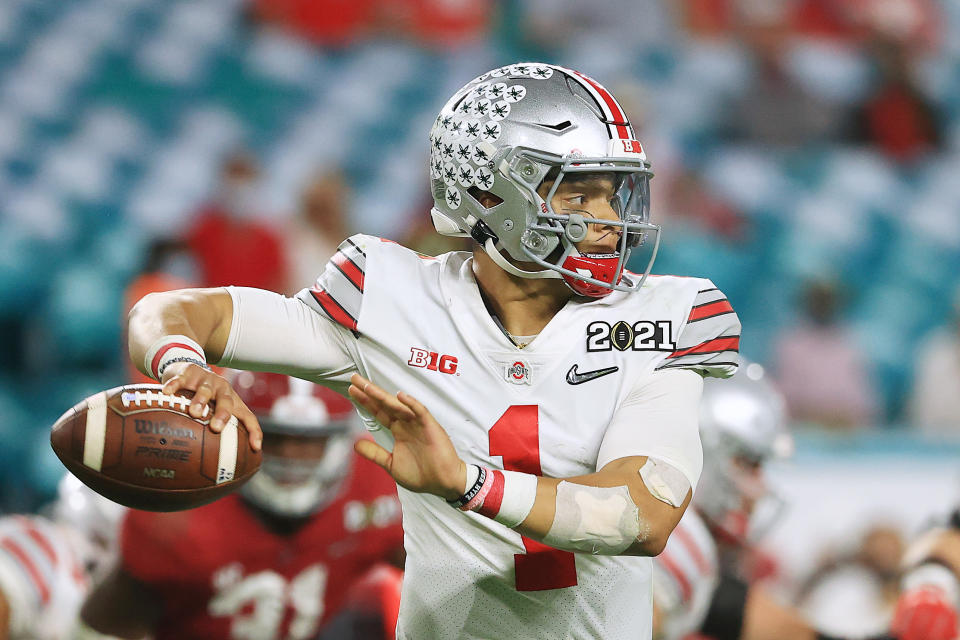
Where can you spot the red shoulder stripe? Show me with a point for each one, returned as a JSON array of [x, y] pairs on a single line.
[[25, 560], [39, 539], [691, 546], [351, 271], [710, 309], [727, 343], [333, 309], [686, 590]]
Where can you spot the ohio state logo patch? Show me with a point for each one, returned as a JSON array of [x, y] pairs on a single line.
[[517, 372]]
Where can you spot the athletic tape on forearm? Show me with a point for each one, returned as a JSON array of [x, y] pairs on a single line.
[[597, 520], [510, 498], [170, 349]]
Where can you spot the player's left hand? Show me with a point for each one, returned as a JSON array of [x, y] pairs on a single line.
[[423, 457]]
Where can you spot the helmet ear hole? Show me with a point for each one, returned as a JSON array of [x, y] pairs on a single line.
[[486, 199]]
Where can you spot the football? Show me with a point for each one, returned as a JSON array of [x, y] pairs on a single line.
[[140, 448], [621, 335]]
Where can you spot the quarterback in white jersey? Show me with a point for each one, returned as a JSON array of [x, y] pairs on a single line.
[[47, 564], [535, 402]]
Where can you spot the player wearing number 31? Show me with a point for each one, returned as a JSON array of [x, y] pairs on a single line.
[[535, 402]]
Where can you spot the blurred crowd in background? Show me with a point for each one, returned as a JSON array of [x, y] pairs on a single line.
[[805, 151]]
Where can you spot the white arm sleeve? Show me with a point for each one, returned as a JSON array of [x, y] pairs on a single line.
[[659, 419], [270, 332]]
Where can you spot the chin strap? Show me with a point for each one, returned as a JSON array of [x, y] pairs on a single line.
[[491, 248]]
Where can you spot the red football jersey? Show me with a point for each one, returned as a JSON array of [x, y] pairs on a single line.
[[220, 573]]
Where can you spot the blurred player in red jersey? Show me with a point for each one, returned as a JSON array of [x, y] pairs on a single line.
[[47, 563], [928, 605], [277, 559], [705, 581]]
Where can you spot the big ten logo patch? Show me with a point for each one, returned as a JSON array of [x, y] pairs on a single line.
[[432, 361], [644, 335], [381, 512]]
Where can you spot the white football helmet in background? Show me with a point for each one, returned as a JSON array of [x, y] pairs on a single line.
[[89, 521], [513, 128], [743, 425], [296, 487]]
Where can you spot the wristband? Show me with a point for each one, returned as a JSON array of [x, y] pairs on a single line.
[[473, 473], [474, 488], [477, 501], [504, 496], [170, 349]]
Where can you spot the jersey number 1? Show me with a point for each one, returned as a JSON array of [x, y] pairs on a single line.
[[516, 437]]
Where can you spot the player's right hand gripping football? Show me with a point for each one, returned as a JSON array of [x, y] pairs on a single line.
[[209, 387]]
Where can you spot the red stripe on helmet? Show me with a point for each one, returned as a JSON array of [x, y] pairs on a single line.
[[619, 119]]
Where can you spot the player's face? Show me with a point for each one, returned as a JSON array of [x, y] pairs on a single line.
[[592, 196], [751, 481], [294, 448]]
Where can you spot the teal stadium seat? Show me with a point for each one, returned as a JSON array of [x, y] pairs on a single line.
[[83, 315]]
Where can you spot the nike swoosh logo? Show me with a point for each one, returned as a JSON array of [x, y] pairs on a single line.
[[573, 377]]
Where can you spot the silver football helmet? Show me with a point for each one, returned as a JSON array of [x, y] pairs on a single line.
[[510, 130], [743, 425]]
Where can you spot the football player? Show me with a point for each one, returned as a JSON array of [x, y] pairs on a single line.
[[535, 401], [702, 581], [930, 599], [274, 560], [47, 563]]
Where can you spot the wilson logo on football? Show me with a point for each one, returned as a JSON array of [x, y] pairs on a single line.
[[432, 361]]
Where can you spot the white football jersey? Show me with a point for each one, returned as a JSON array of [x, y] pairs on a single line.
[[41, 577], [419, 324], [685, 576]]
